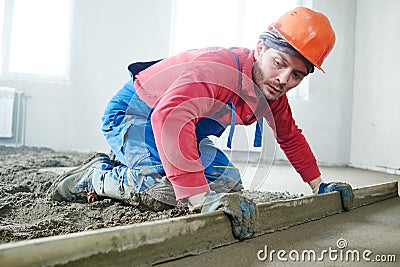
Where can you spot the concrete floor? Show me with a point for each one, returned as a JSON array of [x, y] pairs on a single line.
[[283, 177], [375, 227]]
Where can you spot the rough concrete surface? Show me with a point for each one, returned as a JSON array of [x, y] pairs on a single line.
[[27, 213]]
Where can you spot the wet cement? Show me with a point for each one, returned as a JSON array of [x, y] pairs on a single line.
[[26, 212]]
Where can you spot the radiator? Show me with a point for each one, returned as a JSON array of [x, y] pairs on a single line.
[[7, 99], [12, 116]]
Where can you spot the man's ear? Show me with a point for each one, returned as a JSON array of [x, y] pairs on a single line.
[[259, 48]]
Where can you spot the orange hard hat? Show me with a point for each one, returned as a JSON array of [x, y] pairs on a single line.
[[309, 32]]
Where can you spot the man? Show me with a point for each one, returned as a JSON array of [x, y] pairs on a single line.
[[158, 124]]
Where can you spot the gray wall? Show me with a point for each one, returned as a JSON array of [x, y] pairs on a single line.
[[376, 109], [350, 116]]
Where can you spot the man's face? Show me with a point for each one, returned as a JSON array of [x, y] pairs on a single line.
[[275, 73]]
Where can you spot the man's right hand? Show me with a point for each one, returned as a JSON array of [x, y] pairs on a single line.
[[345, 190], [241, 211]]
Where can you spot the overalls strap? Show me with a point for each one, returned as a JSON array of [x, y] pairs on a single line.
[[258, 132]]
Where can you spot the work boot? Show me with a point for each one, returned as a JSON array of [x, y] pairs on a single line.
[[75, 184]]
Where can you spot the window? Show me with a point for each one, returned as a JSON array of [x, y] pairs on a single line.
[[36, 38], [2, 18], [228, 23]]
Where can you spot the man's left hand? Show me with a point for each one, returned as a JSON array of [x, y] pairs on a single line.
[[241, 211]]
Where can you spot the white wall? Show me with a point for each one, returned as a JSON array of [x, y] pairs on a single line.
[[106, 37], [376, 109], [326, 116]]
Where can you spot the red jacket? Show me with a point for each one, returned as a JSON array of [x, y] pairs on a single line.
[[196, 84]]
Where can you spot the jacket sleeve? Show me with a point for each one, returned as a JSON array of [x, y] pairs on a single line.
[[191, 97], [292, 141]]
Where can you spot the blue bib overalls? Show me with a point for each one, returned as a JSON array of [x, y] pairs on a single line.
[[127, 128], [131, 138]]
